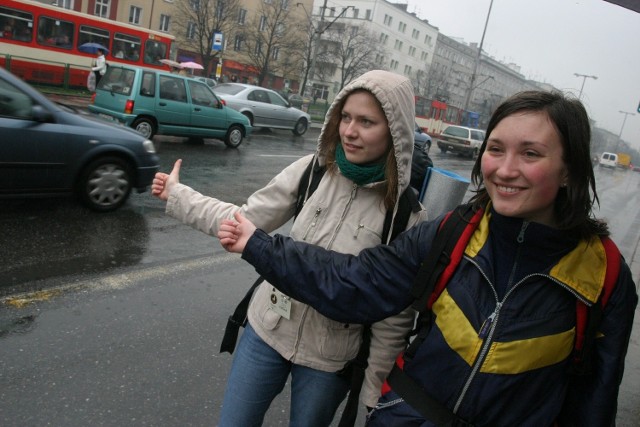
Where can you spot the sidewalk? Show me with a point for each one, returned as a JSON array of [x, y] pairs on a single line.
[[74, 101]]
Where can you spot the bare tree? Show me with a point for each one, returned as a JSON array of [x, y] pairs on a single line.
[[353, 51], [198, 20], [438, 84], [271, 40]]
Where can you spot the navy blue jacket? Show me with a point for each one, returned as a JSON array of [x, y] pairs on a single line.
[[518, 279]]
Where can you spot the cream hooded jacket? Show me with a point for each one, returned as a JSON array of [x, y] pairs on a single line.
[[340, 216]]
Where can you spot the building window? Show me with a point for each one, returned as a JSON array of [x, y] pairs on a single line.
[[407, 70], [402, 27], [427, 39], [285, 4], [415, 34], [237, 42], [135, 13], [263, 23], [383, 38], [394, 64], [356, 12], [164, 22], [65, 4], [332, 11], [242, 16], [354, 31], [102, 8], [258, 48], [276, 53], [388, 20], [191, 30], [424, 56], [412, 51], [398, 45], [368, 15]]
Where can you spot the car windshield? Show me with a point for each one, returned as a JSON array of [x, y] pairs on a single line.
[[117, 80], [456, 131], [228, 89]]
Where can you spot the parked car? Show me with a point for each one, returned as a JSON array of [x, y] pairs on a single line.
[[461, 139], [47, 149], [156, 102], [422, 138], [263, 107], [208, 81], [298, 100]]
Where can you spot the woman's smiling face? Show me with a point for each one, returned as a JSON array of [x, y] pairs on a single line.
[[523, 166]]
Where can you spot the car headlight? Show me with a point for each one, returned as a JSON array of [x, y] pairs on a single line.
[[148, 146]]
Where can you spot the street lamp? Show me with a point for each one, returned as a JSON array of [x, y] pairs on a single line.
[[318, 31], [584, 78]]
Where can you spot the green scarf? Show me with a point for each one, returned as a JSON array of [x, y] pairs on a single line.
[[360, 174]]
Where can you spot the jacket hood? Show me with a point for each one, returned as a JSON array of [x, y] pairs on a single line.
[[395, 94]]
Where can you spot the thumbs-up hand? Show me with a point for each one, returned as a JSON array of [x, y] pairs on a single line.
[[163, 183]]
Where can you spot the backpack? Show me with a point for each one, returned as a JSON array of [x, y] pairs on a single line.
[[436, 270], [354, 369]]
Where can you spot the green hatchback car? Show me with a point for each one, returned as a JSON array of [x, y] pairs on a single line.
[[156, 102]]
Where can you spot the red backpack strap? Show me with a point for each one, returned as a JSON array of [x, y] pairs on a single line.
[[588, 318]]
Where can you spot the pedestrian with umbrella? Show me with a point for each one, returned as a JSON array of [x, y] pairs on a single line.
[[101, 65]]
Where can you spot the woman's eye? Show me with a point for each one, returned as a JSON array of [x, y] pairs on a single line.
[[531, 154], [345, 118]]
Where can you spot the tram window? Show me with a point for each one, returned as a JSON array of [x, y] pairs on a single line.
[[129, 45], [89, 34], [54, 32], [154, 51], [15, 25]]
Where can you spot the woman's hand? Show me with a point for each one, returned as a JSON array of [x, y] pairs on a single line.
[[234, 235], [163, 183]]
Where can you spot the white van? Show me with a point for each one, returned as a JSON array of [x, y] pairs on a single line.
[[609, 160]]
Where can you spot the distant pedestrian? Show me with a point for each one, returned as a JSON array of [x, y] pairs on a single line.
[[101, 66]]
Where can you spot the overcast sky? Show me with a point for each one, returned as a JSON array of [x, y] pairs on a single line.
[[553, 39]]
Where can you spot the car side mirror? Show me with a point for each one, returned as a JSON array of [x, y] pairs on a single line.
[[40, 115]]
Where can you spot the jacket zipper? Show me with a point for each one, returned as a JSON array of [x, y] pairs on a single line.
[[354, 190], [314, 220], [313, 224], [489, 325]]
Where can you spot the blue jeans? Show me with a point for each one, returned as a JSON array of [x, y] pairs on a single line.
[[259, 373]]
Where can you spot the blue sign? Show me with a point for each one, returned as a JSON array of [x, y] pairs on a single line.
[[217, 41]]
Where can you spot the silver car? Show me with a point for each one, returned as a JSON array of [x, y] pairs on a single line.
[[264, 107]]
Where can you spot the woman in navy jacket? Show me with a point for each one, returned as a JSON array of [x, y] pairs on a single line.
[[498, 351]]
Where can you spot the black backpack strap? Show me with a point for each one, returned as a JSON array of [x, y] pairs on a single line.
[[313, 172], [239, 317], [354, 370], [419, 400], [407, 205]]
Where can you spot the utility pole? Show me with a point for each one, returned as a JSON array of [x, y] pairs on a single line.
[[622, 127], [316, 42], [320, 29], [477, 61]]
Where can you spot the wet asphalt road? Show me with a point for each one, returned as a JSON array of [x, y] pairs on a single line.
[[124, 313]]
